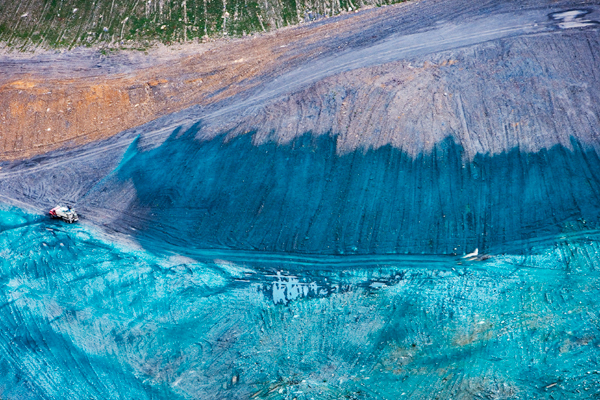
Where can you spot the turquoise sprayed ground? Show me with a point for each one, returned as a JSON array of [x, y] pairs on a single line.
[[274, 250], [84, 318], [303, 197]]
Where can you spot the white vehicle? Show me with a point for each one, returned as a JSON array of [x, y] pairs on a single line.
[[65, 213], [475, 256]]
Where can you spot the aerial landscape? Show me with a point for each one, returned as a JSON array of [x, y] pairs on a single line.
[[299, 200]]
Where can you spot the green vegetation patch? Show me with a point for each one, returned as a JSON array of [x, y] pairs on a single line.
[[70, 23]]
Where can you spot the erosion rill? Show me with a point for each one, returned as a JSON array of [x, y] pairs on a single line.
[[287, 216]]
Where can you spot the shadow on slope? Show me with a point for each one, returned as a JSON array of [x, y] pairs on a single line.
[[302, 197]]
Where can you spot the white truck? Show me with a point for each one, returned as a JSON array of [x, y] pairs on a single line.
[[65, 213]]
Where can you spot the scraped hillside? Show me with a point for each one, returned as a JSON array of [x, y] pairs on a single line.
[[402, 203], [487, 138], [60, 100]]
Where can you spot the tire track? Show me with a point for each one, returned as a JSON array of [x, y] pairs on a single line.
[[531, 23]]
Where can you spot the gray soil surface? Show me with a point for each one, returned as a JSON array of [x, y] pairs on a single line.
[[411, 76]]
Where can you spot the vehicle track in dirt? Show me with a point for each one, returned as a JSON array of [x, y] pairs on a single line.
[[490, 85], [396, 47]]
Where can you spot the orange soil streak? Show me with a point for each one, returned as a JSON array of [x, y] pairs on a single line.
[[41, 113]]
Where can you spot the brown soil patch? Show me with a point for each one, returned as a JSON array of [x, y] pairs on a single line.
[[40, 112]]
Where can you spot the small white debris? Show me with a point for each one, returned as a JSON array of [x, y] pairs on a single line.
[[105, 29], [163, 27], [49, 129], [473, 254], [75, 10], [24, 15], [378, 285], [572, 19]]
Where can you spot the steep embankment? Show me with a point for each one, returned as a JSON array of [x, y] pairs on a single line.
[[302, 197], [486, 146]]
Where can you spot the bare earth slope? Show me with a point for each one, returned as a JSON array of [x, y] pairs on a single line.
[[51, 101], [284, 217]]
